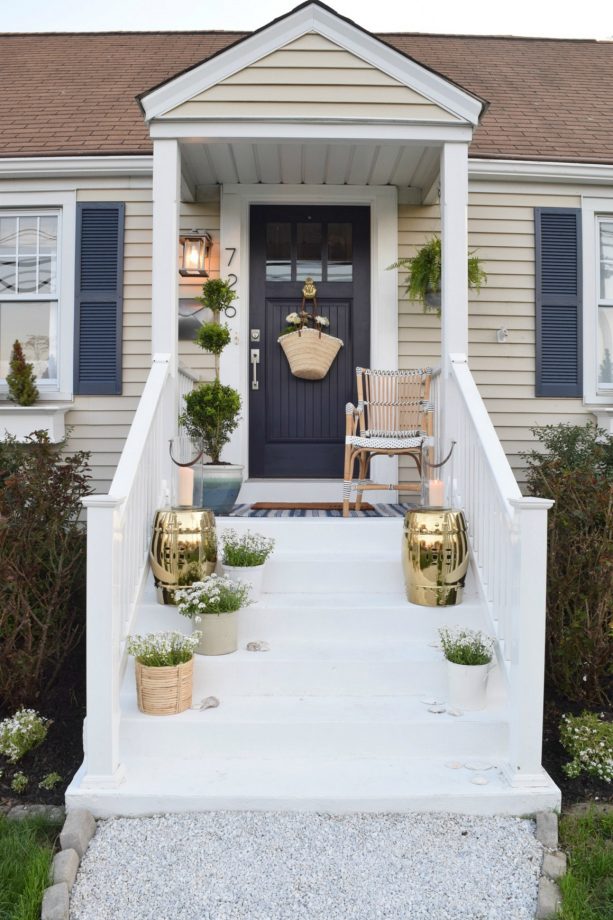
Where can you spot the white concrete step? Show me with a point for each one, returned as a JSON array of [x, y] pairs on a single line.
[[343, 727], [385, 784], [345, 615]]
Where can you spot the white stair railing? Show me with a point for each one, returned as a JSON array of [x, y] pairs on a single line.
[[118, 533], [508, 537]]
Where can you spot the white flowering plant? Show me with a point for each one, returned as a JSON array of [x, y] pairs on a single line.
[[296, 322], [214, 594], [21, 732], [245, 550], [466, 646], [588, 738], [163, 649]]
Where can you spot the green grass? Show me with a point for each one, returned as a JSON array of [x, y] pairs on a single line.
[[587, 889], [26, 851]]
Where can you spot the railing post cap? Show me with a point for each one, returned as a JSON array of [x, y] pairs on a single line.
[[531, 504], [102, 501]]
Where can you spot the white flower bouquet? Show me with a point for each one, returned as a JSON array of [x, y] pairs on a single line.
[[163, 649], [214, 594]]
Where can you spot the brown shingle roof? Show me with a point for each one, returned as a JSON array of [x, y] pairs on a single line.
[[71, 94]]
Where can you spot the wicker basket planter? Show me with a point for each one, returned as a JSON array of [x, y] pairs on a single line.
[[310, 353], [164, 691]]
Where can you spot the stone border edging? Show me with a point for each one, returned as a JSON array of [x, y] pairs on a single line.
[[553, 868], [79, 828]]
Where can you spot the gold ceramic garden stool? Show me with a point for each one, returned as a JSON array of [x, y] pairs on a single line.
[[434, 556], [183, 549]]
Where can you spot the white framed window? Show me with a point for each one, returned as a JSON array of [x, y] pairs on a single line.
[[597, 220], [37, 287]]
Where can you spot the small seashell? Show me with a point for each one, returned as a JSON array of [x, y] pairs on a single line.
[[259, 646], [480, 765], [454, 765], [454, 712], [209, 702], [436, 708], [429, 701], [479, 780]]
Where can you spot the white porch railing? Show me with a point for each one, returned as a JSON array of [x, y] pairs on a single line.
[[508, 536], [118, 528]]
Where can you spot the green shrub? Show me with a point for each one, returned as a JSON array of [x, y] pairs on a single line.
[[211, 415], [19, 783], [20, 379], [217, 295], [588, 739], [213, 337], [42, 546], [50, 781], [574, 467], [21, 732]]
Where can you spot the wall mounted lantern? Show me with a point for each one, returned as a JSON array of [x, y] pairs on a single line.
[[195, 254]]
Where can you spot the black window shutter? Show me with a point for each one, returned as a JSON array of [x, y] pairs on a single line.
[[99, 298], [558, 302]]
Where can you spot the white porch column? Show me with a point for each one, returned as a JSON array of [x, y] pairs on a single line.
[[101, 736], [165, 250], [528, 641], [454, 238]]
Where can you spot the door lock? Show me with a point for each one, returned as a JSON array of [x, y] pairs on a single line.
[[255, 335], [255, 360]]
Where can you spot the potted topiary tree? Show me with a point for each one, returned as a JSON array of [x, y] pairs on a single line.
[[423, 281], [212, 410]]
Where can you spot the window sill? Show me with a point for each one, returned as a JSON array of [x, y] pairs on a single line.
[[21, 421]]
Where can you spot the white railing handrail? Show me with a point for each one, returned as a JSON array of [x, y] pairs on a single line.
[[131, 455], [493, 450], [187, 372]]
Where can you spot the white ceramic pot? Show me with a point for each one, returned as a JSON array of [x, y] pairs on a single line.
[[467, 685], [219, 633], [252, 575]]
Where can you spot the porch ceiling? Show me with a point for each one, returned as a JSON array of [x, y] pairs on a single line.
[[310, 163]]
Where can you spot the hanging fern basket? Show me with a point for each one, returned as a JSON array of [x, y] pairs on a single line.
[[310, 353]]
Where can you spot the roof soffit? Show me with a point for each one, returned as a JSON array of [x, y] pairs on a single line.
[[318, 19]]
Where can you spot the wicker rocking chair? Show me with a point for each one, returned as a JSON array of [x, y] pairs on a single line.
[[393, 417]]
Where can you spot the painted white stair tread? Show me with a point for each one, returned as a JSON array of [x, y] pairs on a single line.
[[317, 650], [168, 784], [292, 709]]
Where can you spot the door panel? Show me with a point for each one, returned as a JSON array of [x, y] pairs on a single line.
[[297, 427]]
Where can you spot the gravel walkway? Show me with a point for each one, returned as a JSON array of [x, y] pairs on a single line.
[[258, 866]]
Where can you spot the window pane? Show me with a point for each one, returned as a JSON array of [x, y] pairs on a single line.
[[278, 252], [340, 267], [47, 260], [606, 261], [8, 245], [308, 246], [34, 325], [605, 346]]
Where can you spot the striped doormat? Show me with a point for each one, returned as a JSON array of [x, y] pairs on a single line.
[[335, 511]]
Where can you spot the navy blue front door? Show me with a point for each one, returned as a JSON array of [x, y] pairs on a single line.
[[296, 426]]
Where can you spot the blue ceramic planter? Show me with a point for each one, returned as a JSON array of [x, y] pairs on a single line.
[[216, 486]]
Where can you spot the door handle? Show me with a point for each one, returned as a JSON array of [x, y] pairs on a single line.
[[255, 360]]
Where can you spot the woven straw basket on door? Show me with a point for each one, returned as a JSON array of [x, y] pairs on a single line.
[[310, 353], [164, 691]]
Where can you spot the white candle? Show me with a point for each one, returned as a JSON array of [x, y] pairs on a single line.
[[186, 485], [436, 492]]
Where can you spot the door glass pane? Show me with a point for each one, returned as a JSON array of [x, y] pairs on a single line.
[[340, 256], [606, 261], [47, 255], [308, 251], [8, 246], [278, 251], [605, 346], [34, 325]]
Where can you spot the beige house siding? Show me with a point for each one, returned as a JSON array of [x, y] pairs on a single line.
[[100, 424], [310, 77], [501, 231]]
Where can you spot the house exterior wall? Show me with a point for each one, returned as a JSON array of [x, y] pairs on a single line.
[[310, 76], [100, 424], [501, 232]]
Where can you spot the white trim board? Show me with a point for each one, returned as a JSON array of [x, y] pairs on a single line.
[[540, 171], [234, 235], [311, 18], [65, 167], [591, 210]]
